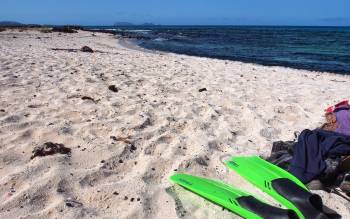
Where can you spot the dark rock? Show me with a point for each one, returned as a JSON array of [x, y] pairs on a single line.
[[34, 106], [2, 29], [72, 203], [133, 148], [2, 110], [89, 98], [202, 89], [64, 29], [50, 148], [86, 49], [126, 198], [115, 193], [113, 88]]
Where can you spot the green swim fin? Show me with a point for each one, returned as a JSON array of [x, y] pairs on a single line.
[[237, 201], [281, 185]]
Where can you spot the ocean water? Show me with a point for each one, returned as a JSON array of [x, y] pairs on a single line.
[[312, 48]]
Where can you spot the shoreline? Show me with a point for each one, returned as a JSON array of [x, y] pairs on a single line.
[[131, 43], [132, 118]]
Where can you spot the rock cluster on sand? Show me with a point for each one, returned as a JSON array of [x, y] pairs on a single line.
[[86, 49], [65, 29]]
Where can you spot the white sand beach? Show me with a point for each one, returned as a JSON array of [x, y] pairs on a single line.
[[126, 142]]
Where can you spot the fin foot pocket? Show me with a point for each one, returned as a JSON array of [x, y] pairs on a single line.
[[264, 210], [309, 204]]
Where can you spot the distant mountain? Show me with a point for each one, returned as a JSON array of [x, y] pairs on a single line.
[[123, 24], [10, 23], [148, 24]]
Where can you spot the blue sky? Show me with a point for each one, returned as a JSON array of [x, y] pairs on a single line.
[[182, 12]]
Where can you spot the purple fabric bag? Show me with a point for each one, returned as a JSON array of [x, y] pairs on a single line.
[[343, 121]]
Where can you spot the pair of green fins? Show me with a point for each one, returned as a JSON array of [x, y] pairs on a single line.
[[285, 188]]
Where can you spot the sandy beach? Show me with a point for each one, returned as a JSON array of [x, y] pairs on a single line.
[[133, 118]]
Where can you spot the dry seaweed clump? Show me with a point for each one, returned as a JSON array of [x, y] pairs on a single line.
[[50, 148]]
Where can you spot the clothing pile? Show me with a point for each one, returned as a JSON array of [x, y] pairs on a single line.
[[320, 154]]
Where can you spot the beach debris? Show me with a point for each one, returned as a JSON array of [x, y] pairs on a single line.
[[86, 49], [202, 161], [33, 106], [68, 50], [12, 119], [72, 203], [122, 139], [66, 130], [145, 124], [50, 148], [202, 89], [113, 88], [337, 80], [89, 98], [11, 192]]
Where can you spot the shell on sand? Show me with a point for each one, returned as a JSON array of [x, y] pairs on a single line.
[[126, 142]]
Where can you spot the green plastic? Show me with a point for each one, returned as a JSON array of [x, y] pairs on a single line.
[[215, 191], [260, 173]]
